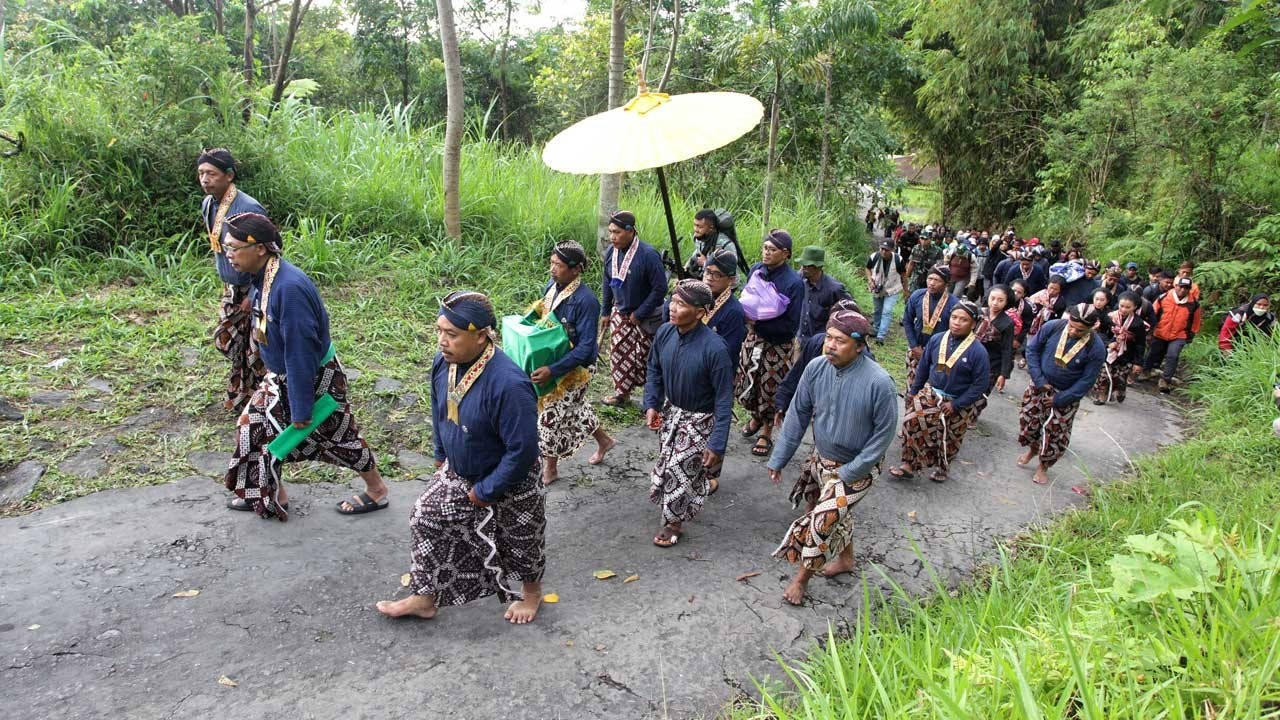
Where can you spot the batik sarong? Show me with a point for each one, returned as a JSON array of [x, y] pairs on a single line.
[[825, 531], [762, 366], [1112, 382], [462, 552], [565, 423], [680, 481], [233, 338], [930, 437], [254, 473], [809, 483], [912, 363], [1043, 426], [628, 354]]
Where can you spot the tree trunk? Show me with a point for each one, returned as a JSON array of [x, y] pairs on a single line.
[[296, 13], [767, 202], [826, 125], [453, 118], [671, 51], [503, 104], [250, 14], [611, 185], [219, 9]]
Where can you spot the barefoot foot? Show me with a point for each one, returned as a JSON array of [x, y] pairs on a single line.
[[602, 449], [794, 594], [522, 612], [839, 566], [1025, 457], [548, 478], [1041, 477], [413, 606]]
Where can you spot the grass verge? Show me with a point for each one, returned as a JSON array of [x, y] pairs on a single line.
[[1161, 599]]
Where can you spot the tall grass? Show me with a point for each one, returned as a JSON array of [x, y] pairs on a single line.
[[1160, 600]]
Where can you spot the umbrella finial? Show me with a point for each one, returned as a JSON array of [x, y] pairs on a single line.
[[640, 81]]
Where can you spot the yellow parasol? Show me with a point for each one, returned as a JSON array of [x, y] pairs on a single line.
[[651, 131]]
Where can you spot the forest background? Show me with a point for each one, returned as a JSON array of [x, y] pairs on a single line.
[[1146, 129]]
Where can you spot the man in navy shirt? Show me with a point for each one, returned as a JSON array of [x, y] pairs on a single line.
[[768, 351], [821, 292], [635, 284], [725, 315], [1064, 360], [216, 171], [953, 375], [688, 399], [291, 328], [482, 519], [565, 418]]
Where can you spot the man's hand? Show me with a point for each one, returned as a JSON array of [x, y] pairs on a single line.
[[246, 303], [629, 318], [471, 495], [947, 407], [1000, 384], [775, 476], [653, 419], [778, 418], [302, 425], [439, 464], [916, 352], [541, 375], [908, 400], [710, 458]]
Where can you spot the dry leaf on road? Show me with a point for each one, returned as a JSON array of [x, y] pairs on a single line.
[[631, 578], [604, 574], [404, 580], [186, 593], [551, 598], [746, 576], [224, 680]]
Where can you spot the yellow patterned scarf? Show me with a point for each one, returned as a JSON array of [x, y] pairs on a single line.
[[929, 321], [269, 278], [720, 301], [458, 390], [945, 361], [1061, 355], [215, 232]]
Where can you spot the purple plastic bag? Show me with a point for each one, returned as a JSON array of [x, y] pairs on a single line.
[[761, 299]]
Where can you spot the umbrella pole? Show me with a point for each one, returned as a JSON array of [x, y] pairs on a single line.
[[671, 223]]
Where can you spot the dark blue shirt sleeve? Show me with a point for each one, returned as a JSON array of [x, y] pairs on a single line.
[[909, 320], [656, 275], [734, 335], [297, 315], [787, 388], [722, 381], [606, 290], [438, 399], [655, 392], [516, 411], [584, 312], [1035, 348]]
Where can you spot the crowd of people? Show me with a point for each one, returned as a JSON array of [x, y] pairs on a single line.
[[791, 347]]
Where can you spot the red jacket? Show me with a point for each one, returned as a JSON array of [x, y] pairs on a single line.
[[1174, 320]]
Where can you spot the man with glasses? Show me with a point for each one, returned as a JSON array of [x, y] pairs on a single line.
[[216, 171], [777, 300], [725, 314], [302, 401]]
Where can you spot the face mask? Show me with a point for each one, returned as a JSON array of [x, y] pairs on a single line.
[[1259, 311]]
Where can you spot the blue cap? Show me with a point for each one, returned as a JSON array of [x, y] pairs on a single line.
[[1131, 266]]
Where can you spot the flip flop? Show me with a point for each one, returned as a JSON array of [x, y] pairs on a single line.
[[938, 476], [897, 473], [752, 428], [367, 505], [762, 450], [666, 537], [614, 400]]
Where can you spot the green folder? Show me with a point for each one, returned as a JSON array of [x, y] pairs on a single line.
[[532, 343], [292, 437]]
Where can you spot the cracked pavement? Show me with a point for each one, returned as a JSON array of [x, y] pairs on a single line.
[[89, 626]]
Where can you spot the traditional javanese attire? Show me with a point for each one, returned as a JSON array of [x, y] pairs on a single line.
[[232, 335], [1125, 340], [690, 382], [634, 283], [957, 370], [818, 300], [485, 426], [769, 349], [565, 418], [1070, 367], [301, 367], [996, 336], [854, 412], [730, 323], [924, 315]]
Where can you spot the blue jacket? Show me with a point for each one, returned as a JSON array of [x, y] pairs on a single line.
[[1074, 380]]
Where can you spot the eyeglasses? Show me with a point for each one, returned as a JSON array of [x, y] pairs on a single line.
[[713, 275], [229, 249]]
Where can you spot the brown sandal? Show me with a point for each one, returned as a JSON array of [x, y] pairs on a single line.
[[666, 537]]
